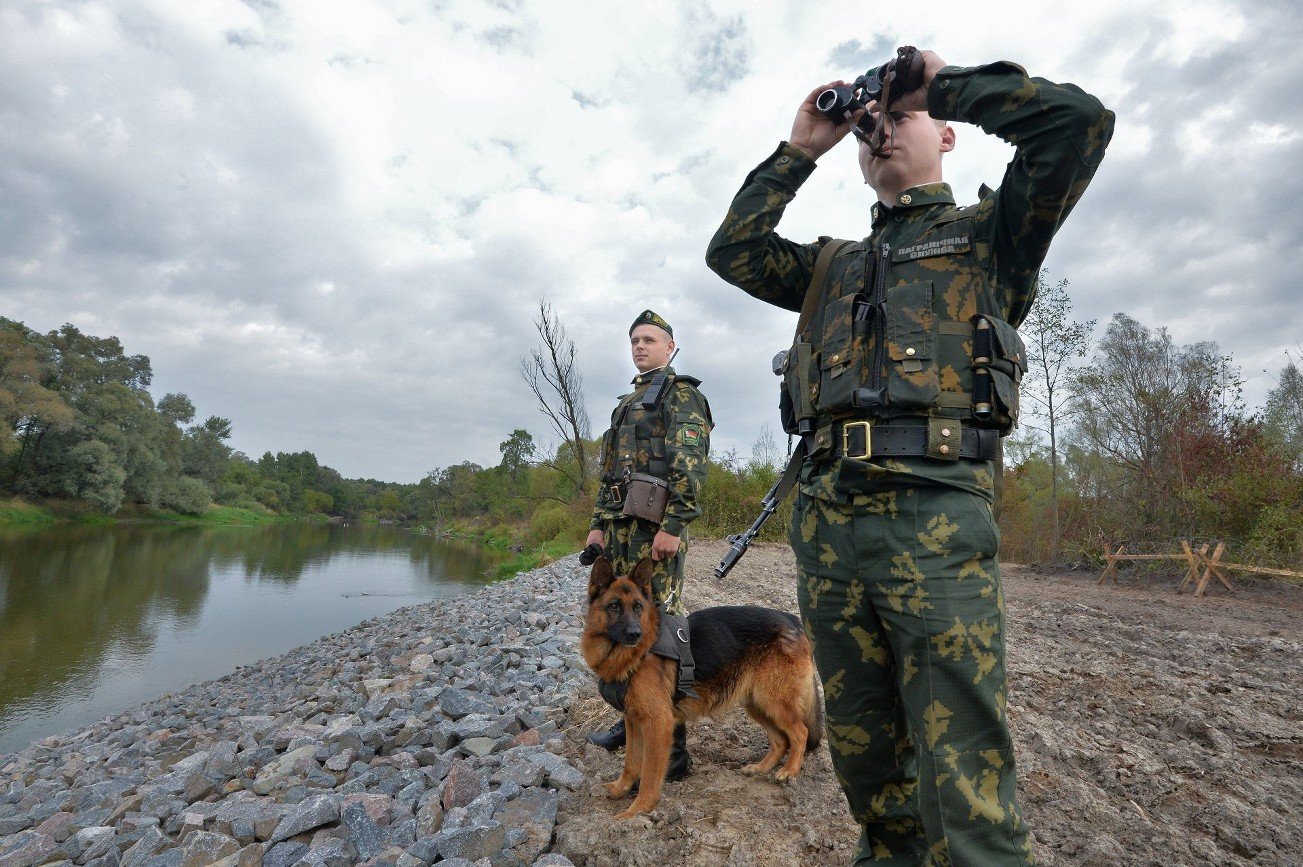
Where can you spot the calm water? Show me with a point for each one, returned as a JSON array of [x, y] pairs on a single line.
[[95, 620]]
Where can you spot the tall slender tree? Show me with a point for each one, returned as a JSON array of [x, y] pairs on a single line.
[[1053, 342]]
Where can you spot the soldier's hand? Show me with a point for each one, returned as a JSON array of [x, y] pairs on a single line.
[[664, 546], [916, 100], [812, 133], [596, 537]]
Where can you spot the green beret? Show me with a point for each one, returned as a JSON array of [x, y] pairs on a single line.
[[648, 317]]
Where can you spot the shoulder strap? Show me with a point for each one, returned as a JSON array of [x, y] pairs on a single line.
[[815, 292]]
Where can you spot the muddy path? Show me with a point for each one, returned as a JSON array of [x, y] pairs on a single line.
[[1152, 729]]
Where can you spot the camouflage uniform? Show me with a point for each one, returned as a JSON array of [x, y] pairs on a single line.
[[670, 442], [898, 581]]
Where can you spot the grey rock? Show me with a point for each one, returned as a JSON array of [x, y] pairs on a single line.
[[425, 848], [202, 848], [533, 812], [330, 852], [363, 832], [566, 776], [263, 814], [26, 849], [402, 833], [457, 703], [166, 858], [88, 844], [282, 769], [553, 860], [151, 842], [312, 812], [474, 842], [284, 854]]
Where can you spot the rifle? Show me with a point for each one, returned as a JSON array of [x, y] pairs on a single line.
[[739, 542]]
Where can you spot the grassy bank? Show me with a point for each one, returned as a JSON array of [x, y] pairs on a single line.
[[16, 513], [21, 513], [518, 555]]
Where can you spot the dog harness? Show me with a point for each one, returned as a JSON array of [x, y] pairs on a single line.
[[672, 642]]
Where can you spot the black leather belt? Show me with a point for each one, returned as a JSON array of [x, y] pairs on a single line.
[[864, 440]]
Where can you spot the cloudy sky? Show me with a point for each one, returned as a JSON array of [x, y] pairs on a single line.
[[332, 220]]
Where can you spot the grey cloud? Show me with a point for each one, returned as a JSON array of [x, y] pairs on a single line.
[[588, 100], [720, 56], [859, 56], [504, 37]]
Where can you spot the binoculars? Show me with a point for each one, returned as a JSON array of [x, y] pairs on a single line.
[[898, 76]]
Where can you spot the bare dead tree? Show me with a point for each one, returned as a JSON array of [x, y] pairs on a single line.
[[551, 372]]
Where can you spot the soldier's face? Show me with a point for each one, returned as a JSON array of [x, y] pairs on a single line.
[[915, 151], [652, 347]]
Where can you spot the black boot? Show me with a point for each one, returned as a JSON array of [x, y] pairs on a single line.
[[610, 740], [680, 762]]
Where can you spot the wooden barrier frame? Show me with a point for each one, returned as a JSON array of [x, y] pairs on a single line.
[[1195, 562]]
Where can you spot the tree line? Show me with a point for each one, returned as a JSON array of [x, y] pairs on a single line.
[[1131, 439], [85, 431], [1141, 441]]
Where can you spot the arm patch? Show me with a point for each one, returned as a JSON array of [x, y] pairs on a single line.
[[691, 435]]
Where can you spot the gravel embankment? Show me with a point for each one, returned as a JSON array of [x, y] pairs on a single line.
[[428, 735]]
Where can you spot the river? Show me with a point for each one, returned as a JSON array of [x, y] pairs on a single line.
[[96, 619]]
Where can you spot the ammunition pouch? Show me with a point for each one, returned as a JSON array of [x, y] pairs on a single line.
[[646, 497], [796, 398], [1005, 369]]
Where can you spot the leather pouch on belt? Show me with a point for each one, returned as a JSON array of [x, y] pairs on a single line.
[[646, 497]]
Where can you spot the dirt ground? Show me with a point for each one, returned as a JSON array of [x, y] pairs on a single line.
[[1152, 729]]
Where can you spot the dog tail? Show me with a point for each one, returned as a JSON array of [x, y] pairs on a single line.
[[814, 717]]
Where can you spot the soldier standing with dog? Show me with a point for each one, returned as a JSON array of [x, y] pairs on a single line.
[[903, 375], [653, 464]]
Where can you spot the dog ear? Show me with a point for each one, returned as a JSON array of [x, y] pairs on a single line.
[[600, 578], [642, 575]]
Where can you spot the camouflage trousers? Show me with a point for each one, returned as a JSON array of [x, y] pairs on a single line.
[[628, 540], [901, 596]]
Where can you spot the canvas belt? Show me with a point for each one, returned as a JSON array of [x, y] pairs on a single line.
[[864, 440]]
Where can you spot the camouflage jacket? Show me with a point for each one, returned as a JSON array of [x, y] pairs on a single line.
[[983, 259], [670, 442]]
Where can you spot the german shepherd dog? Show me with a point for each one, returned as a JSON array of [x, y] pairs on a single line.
[[755, 657]]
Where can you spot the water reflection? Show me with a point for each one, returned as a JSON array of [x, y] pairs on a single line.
[[95, 619]]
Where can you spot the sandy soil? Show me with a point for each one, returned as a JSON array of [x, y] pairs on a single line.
[[1152, 729]]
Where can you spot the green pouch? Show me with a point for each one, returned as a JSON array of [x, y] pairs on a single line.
[[912, 378]]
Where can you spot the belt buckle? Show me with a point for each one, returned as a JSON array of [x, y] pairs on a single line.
[[616, 494], [868, 440]]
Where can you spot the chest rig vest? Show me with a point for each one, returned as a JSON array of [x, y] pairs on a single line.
[[903, 332], [635, 442]]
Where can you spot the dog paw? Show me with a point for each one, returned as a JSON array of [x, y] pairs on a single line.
[[750, 769], [615, 790]]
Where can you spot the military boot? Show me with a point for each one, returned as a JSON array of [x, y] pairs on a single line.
[[680, 762], [610, 740]]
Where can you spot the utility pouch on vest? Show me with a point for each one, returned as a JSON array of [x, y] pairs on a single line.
[[1008, 363], [646, 497], [796, 389], [913, 378], [839, 376]]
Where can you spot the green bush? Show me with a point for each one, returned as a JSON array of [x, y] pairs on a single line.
[[186, 495]]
